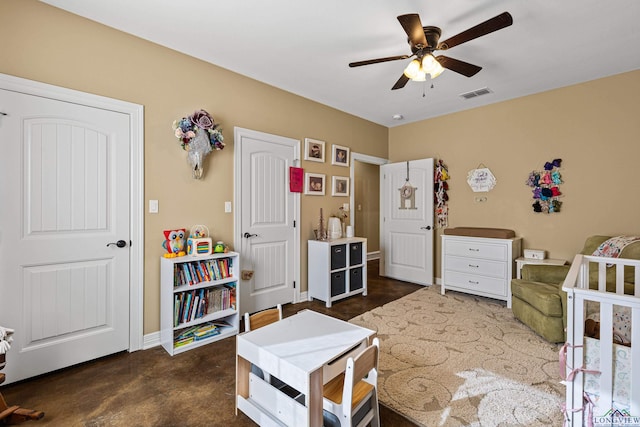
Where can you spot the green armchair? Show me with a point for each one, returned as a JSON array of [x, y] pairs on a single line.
[[538, 300]]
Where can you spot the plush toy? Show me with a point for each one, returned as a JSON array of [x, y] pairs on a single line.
[[174, 243], [592, 328]]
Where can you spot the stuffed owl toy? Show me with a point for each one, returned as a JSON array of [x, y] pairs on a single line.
[[174, 242]]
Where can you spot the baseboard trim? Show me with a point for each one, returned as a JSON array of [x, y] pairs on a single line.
[[373, 255], [151, 340]]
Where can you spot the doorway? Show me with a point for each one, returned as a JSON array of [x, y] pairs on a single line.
[[365, 201]]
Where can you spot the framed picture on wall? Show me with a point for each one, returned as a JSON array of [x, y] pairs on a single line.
[[339, 155], [314, 150], [339, 186], [314, 184]]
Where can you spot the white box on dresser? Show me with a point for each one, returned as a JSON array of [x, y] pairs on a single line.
[[479, 265]]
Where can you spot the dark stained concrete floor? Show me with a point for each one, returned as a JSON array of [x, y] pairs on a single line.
[[151, 388]]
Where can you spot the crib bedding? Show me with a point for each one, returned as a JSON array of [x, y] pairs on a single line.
[[621, 373], [621, 321]]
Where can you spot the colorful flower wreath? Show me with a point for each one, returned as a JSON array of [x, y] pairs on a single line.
[[187, 127]]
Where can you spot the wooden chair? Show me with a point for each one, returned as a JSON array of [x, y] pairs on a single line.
[[257, 321], [14, 414], [352, 397], [262, 318]]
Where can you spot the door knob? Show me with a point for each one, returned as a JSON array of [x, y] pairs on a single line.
[[246, 235], [119, 243], [428, 227]]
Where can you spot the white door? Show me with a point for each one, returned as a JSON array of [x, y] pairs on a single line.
[[65, 198], [266, 215], [407, 224]]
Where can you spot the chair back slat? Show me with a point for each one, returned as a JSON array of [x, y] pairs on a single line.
[[364, 363], [262, 318]]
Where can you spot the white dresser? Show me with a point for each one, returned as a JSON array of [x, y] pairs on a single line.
[[479, 265]]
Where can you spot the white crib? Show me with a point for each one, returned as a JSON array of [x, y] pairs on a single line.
[[602, 378]]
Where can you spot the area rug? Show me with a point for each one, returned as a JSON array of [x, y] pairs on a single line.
[[461, 360]]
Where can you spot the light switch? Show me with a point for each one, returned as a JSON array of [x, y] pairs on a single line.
[[227, 207], [153, 206]]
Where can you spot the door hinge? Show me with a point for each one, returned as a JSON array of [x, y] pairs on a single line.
[[294, 284], [294, 223]]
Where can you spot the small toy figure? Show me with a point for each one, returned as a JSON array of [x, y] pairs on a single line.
[[220, 247], [174, 243]]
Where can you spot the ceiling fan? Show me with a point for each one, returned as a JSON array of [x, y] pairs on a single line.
[[425, 40]]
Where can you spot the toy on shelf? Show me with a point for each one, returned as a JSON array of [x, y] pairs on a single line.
[[220, 248], [199, 242], [174, 243]]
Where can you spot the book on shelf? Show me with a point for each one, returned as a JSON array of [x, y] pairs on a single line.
[[195, 272], [195, 333]]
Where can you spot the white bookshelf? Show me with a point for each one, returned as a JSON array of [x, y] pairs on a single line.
[[176, 286]]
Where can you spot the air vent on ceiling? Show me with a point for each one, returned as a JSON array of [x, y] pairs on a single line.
[[476, 93]]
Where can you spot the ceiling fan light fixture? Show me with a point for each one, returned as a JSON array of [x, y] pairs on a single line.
[[413, 69], [431, 66], [438, 70]]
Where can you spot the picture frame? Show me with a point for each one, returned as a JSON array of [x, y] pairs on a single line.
[[340, 186], [340, 155], [314, 184], [314, 150]]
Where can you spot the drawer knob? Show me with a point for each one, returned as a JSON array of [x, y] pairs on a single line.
[[473, 283], [474, 250], [473, 266]]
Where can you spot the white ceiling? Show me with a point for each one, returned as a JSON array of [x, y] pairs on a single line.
[[304, 46]]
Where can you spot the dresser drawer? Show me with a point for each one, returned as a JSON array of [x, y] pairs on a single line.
[[477, 266], [483, 284], [476, 250]]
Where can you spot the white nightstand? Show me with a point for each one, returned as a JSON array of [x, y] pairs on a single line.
[[522, 261]]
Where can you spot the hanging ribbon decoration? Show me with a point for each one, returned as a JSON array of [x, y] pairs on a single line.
[[440, 187]]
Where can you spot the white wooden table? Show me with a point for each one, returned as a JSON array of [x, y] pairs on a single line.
[[305, 351], [520, 262]]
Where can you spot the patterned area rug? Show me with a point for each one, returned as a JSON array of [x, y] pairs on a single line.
[[461, 360]]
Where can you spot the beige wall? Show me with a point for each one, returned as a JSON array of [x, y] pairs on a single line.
[[46, 44], [593, 127]]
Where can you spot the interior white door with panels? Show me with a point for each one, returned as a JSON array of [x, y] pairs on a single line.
[[65, 232], [266, 233], [407, 220]]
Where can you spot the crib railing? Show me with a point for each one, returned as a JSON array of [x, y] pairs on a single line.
[[578, 291]]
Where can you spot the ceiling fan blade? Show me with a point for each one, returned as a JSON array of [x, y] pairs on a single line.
[[496, 23], [458, 66], [413, 27], [376, 61], [401, 82]]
